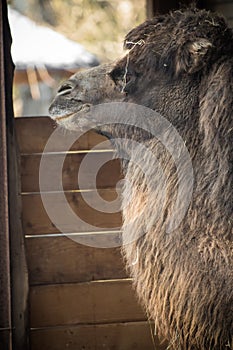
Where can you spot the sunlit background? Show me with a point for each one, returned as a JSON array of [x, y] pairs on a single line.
[[54, 38]]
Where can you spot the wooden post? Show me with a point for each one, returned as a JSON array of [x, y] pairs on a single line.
[[5, 295], [157, 6], [13, 272]]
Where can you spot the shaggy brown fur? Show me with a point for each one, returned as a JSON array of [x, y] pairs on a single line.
[[180, 65]]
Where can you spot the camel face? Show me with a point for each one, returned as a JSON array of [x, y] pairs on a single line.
[[84, 89]]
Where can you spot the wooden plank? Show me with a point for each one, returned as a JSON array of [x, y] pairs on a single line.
[[150, 9], [107, 177], [120, 336], [61, 260], [5, 116], [92, 302], [13, 273], [5, 339], [34, 132], [156, 6], [37, 221], [19, 271], [153, 7]]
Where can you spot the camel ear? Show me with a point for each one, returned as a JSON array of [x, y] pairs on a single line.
[[192, 56]]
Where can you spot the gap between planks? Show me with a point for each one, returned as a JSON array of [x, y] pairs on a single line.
[[53, 235], [95, 282], [122, 323]]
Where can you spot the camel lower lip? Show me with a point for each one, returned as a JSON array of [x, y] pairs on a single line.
[[84, 108], [61, 117]]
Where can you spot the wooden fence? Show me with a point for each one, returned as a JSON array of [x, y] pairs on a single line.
[[80, 296]]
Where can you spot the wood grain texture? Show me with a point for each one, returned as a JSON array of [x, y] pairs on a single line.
[[84, 303], [34, 132], [5, 276], [61, 260], [121, 336], [37, 221], [13, 271], [107, 175]]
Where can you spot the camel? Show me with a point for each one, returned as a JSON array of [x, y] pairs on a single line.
[[179, 65]]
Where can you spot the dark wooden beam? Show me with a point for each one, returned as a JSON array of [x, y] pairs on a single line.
[[163, 6], [5, 294], [13, 271]]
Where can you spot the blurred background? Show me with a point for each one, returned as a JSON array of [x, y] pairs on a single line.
[[54, 38]]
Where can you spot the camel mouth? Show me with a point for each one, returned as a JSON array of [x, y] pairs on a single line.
[[62, 117], [84, 108]]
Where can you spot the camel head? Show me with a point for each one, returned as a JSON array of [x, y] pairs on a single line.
[[167, 60]]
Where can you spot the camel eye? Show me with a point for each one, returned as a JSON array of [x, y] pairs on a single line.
[[65, 89]]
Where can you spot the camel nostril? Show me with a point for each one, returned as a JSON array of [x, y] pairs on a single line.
[[65, 89]]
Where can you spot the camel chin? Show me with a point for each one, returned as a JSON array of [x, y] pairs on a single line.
[[78, 119]]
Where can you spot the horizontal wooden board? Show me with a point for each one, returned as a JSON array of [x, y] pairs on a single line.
[[34, 132], [61, 260], [119, 336], [66, 212], [94, 175], [92, 302]]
